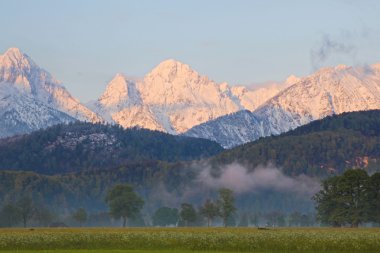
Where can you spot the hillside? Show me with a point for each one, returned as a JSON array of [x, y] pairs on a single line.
[[81, 146], [326, 146]]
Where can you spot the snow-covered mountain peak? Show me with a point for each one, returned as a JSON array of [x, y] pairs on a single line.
[[292, 79], [333, 71], [173, 98], [15, 58], [18, 70], [118, 82], [119, 90], [332, 90], [170, 65], [175, 83], [170, 70], [341, 67], [13, 51], [119, 76]]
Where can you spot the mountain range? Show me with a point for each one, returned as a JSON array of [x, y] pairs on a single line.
[[175, 99], [327, 92]]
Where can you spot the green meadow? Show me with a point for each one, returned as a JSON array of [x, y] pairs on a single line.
[[163, 240]]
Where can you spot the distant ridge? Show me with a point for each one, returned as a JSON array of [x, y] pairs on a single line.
[[84, 146], [320, 148]]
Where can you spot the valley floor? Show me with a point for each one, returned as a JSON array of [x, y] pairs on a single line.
[[184, 240]]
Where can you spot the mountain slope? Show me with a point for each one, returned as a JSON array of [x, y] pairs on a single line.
[[173, 98], [231, 130], [21, 114], [82, 146], [330, 145], [327, 92], [31, 98]]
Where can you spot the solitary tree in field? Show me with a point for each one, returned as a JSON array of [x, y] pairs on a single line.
[[345, 199], [226, 203], [123, 202], [26, 208], [209, 210], [188, 213], [80, 216]]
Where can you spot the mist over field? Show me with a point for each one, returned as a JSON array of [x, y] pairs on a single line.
[[240, 179]]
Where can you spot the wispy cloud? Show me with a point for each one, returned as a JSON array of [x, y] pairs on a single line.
[[240, 180], [330, 46]]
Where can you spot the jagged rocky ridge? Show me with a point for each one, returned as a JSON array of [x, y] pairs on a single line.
[[176, 99], [173, 98], [327, 92]]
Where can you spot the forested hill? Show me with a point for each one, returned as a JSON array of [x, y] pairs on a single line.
[[365, 122], [80, 146], [323, 147]]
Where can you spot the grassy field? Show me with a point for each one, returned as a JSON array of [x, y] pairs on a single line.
[[182, 240]]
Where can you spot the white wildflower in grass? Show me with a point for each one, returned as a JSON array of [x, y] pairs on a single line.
[[199, 239]]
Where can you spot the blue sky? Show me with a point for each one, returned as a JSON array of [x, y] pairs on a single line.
[[84, 43]]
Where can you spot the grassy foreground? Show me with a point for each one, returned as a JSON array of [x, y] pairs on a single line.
[[164, 240]]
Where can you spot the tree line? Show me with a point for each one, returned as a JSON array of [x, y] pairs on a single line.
[[125, 205], [64, 193], [26, 212], [351, 199]]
